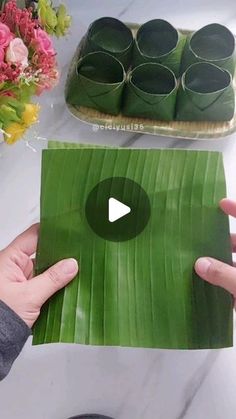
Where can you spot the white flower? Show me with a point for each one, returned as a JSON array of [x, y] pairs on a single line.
[[17, 53]]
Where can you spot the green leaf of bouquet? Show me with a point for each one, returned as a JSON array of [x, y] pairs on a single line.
[[21, 4], [51, 19], [8, 115], [63, 21], [10, 110], [142, 292], [26, 92], [16, 104], [47, 14], [2, 4]]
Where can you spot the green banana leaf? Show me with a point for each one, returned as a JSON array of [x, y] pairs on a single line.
[[110, 35], [158, 41], [150, 92], [213, 43], [141, 292], [96, 81], [206, 94], [52, 144]]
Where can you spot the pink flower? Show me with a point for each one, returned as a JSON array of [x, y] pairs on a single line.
[[19, 21], [43, 42], [8, 73], [17, 53], [5, 35], [20, 26], [2, 55]]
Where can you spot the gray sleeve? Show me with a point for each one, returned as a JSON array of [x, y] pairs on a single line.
[[14, 332]]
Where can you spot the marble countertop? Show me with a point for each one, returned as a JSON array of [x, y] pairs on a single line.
[[59, 381]]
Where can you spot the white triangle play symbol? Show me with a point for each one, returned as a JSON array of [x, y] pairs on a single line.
[[117, 210]]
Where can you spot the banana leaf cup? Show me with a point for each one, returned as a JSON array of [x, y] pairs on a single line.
[[159, 42], [206, 94], [97, 81], [213, 43], [110, 35], [150, 92]]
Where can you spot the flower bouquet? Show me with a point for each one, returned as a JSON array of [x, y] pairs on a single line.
[[28, 64]]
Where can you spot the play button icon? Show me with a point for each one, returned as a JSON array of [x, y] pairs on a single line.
[[117, 209]]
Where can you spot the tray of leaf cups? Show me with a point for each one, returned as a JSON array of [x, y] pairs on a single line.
[[154, 78]]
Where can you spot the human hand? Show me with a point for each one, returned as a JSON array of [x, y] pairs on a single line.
[[214, 271], [22, 292]]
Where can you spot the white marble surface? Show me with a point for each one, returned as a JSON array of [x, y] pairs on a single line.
[[58, 381]]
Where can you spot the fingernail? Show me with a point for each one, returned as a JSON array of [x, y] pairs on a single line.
[[69, 266], [202, 265]]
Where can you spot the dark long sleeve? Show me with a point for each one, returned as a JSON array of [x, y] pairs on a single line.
[[14, 332]]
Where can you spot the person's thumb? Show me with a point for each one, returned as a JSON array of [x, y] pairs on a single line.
[[56, 277], [217, 273]]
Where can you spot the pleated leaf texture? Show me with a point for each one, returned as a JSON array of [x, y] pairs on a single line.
[[142, 292]]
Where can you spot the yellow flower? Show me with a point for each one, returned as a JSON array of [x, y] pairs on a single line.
[[15, 130], [30, 114]]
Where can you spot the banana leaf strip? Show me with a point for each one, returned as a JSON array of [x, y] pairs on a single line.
[[141, 292], [213, 43], [158, 41], [150, 92], [96, 81], [206, 94], [110, 35], [60, 144]]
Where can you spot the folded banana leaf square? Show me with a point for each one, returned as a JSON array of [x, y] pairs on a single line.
[[112, 36], [214, 44], [157, 41], [96, 81], [150, 92], [141, 292], [206, 93]]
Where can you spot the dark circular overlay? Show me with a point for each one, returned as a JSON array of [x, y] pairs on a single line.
[[129, 193], [91, 416]]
